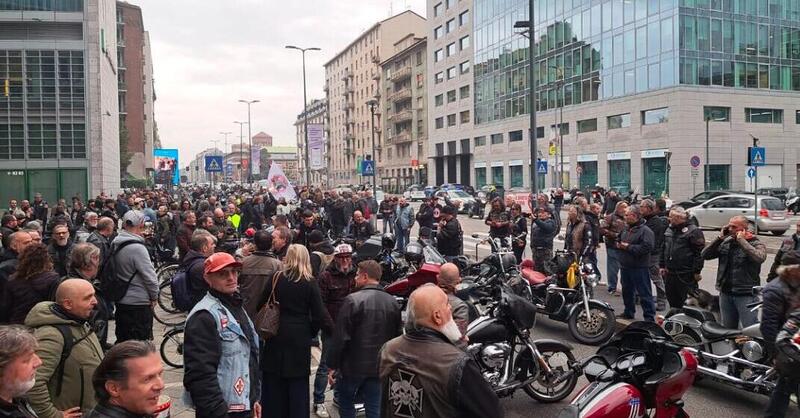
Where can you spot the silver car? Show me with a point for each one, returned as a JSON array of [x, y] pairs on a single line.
[[715, 213]]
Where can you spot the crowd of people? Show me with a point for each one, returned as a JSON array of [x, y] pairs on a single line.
[[66, 272]]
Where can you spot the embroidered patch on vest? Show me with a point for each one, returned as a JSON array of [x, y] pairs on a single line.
[[238, 386], [405, 394], [223, 321], [236, 408]]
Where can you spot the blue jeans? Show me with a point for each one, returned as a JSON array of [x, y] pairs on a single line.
[[733, 310], [388, 224], [612, 268], [368, 387], [403, 236], [321, 377], [636, 281]]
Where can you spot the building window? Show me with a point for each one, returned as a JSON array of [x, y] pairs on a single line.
[[464, 116], [464, 43], [438, 32], [437, 9], [717, 113], [587, 125], [438, 55], [451, 96], [497, 176], [797, 117], [439, 99], [480, 141], [655, 116], [516, 175], [451, 49], [463, 67], [451, 73], [449, 3], [619, 121], [515, 136], [451, 120], [497, 139], [439, 77], [763, 115], [464, 91], [450, 25], [463, 18], [480, 177], [439, 123]]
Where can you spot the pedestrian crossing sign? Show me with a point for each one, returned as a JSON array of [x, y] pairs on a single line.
[[756, 156], [541, 167], [213, 164]]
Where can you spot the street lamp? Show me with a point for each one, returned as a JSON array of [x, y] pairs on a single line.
[[531, 96], [241, 147], [250, 138], [560, 76], [372, 103], [305, 110]]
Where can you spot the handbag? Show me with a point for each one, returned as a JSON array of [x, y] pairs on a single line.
[[268, 318]]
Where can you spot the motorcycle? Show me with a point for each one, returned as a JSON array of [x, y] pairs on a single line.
[[478, 208], [509, 359], [793, 204], [638, 373], [735, 357], [424, 264], [566, 296]]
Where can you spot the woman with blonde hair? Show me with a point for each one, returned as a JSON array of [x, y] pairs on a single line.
[[286, 360]]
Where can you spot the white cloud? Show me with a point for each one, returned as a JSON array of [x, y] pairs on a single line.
[[208, 54]]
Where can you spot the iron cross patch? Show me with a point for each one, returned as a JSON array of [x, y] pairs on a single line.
[[405, 394], [238, 386]]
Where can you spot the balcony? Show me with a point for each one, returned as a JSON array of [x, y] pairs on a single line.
[[403, 136], [376, 75], [401, 74], [349, 104], [349, 120], [400, 95], [347, 74], [402, 116], [348, 151], [376, 59], [349, 137]]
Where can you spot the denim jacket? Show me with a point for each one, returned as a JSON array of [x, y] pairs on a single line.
[[233, 372]]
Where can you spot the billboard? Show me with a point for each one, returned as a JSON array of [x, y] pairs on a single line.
[[256, 157], [166, 166], [316, 141]]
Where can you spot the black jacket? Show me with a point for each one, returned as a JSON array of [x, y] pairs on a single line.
[[779, 299], [19, 408], [60, 257], [450, 239], [519, 230], [682, 251], [368, 318], [789, 244], [640, 245], [362, 231], [426, 216], [739, 263], [304, 231], [201, 352], [542, 233], [193, 265], [593, 222], [657, 224], [6, 231], [112, 411]]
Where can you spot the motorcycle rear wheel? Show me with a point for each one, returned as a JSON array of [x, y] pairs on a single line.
[[542, 389], [596, 331]]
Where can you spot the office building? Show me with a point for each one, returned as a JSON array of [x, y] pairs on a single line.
[[352, 77], [59, 124], [196, 170], [404, 110], [627, 87], [316, 114], [286, 157]]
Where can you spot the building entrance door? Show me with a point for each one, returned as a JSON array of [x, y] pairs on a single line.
[[619, 175], [654, 173], [588, 176]]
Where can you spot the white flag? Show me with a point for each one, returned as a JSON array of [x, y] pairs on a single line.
[[279, 185]]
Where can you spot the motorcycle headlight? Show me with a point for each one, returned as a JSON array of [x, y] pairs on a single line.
[[752, 351], [592, 279]]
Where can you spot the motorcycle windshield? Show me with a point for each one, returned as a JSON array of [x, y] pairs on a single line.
[[432, 256]]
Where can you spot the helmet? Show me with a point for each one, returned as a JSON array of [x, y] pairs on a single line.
[[387, 241], [414, 253], [343, 250]]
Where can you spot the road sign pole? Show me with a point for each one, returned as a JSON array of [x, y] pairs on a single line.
[[755, 182]]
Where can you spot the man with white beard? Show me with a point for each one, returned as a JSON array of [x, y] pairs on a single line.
[[18, 364], [424, 374]]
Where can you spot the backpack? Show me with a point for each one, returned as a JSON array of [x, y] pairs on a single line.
[[181, 289], [69, 342], [114, 287]]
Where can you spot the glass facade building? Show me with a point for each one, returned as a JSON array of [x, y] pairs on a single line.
[[43, 5], [590, 50]]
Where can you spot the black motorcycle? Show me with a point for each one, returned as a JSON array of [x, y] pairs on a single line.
[[478, 208], [500, 342]]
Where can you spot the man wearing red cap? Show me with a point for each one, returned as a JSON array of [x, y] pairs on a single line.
[[221, 347]]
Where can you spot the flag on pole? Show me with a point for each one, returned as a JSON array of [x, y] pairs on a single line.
[[279, 185]]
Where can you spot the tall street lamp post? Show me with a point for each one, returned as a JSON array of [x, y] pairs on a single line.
[[305, 110], [531, 97], [241, 148], [372, 103], [249, 138]]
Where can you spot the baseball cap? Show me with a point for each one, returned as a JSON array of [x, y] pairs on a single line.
[[342, 250], [219, 261], [134, 218]]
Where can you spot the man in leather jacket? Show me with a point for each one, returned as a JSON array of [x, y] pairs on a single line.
[[789, 244], [137, 396], [367, 319], [543, 231], [680, 262], [450, 237], [635, 244], [740, 256], [658, 224], [424, 375]]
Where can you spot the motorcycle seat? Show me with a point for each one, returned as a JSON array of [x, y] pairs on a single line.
[[533, 277], [714, 330]]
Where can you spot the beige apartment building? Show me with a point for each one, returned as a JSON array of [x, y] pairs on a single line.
[[404, 114], [314, 114], [450, 123], [352, 78]]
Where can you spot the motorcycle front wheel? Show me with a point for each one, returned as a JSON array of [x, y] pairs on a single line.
[[596, 330], [544, 389]]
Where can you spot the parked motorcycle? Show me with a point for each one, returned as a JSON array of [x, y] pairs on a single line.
[[736, 357], [478, 208], [793, 204], [500, 342], [424, 264], [566, 296], [637, 371]]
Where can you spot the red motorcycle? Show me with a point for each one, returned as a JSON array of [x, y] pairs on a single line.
[[640, 372], [425, 263]]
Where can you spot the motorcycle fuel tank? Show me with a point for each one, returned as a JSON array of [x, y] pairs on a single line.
[[486, 330], [403, 287], [610, 400]]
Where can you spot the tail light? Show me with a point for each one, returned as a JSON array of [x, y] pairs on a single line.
[[763, 213], [660, 320]]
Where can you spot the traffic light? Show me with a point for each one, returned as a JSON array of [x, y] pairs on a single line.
[[6, 88]]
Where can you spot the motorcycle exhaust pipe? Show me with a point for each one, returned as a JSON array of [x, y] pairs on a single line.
[[725, 377], [728, 357]]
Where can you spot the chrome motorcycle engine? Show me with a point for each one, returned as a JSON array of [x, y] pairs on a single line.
[[493, 356]]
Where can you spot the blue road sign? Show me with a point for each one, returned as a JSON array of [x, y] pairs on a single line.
[[751, 172], [213, 164], [758, 156], [367, 168], [541, 167]]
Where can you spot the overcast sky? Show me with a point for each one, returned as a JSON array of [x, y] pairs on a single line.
[[208, 54]]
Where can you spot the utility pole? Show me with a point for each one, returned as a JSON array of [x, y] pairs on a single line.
[[241, 149], [531, 98], [250, 138], [305, 110]]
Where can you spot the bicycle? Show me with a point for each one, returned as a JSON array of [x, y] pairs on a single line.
[[172, 347]]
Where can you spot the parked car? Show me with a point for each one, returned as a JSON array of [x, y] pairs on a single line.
[[779, 192], [461, 199], [702, 197], [414, 192], [716, 212]]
